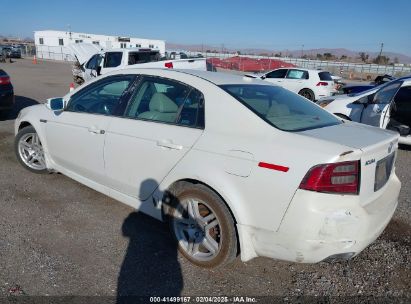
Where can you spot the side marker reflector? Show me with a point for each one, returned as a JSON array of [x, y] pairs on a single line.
[[273, 167]]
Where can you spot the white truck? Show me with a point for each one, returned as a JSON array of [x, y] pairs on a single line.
[[93, 61]]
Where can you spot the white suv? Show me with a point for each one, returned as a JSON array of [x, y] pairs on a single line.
[[312, 84]]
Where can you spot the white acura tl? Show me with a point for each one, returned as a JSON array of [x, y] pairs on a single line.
[[233, 164]]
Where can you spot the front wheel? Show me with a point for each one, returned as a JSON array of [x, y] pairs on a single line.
[[29, 150], [202, 225], [307, 93]]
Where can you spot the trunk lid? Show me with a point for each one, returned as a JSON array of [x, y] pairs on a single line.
[[378, 153]]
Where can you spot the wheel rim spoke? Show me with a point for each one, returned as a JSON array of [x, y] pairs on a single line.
[[31, 151], [210, 244], [211, 225]]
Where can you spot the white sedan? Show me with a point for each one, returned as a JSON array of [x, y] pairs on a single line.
[[233, 164], [387, 106], [312, 84]]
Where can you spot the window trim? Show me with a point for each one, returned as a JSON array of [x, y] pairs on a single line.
[[139, 83]]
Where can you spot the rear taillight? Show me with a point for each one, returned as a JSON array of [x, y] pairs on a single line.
[[322, 83], [4, 80], [168, 65], [343, 178]]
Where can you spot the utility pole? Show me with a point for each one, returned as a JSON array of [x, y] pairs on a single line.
[[302, 51], [382, 45]]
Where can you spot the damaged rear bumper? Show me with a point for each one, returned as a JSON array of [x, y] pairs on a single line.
[[320, 226]]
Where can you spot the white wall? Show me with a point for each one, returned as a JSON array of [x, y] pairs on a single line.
[[51, 49]]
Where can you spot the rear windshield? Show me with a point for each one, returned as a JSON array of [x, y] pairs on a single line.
[[281, 108], [142, 57], [326, 76]]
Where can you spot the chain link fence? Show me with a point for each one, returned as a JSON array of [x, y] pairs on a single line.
[[347, 70]]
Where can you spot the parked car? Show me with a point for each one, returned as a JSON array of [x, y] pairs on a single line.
[[15, 52], [387, 106], [6, 92], [92, 61], [312, 84], [360, 87], [231, 163], [355, 88]]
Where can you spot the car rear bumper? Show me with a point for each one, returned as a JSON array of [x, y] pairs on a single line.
[[320, 226]]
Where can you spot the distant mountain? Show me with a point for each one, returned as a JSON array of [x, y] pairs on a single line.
[[338, 52]]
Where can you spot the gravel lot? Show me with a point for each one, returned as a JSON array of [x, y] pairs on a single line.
[[58, 237]]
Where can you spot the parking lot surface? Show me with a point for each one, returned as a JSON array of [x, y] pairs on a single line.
[[58, 237]]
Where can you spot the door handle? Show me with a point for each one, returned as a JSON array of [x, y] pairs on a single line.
[[96, 131], [169, 145]]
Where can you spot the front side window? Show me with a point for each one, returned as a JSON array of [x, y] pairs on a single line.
[[277, 73], [387, 93], [297, 74], [167, 101], [94, 62], [281, 108], [113, 59], [102, 97]]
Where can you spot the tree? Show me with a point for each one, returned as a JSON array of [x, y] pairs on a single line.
[[319, 56], [343, 57], [396, 60], [381, 59], [364, 57], [327, 56]]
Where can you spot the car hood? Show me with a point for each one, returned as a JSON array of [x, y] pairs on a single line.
[[351, 134], [84, 51]]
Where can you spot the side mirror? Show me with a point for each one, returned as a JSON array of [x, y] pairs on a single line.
[[263, 77], [55, 104]]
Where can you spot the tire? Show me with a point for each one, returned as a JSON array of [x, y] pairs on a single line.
[[29, 150], [342, 116], [210, 247], [307, 93]]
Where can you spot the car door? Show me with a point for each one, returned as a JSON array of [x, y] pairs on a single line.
[[376, 112], [162, 122], [401, 107], [75, 137], [91, 67], [296, 80], [277, 77]]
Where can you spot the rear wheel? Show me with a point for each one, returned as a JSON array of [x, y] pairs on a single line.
[[202, 225], [307, 93], [29, 150]]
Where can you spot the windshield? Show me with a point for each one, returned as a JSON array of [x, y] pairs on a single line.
[[281, 108]]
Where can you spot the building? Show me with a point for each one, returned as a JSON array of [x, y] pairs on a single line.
[[53, 44]]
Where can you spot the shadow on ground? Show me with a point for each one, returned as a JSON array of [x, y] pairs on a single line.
[[150, 265], [20, 103]]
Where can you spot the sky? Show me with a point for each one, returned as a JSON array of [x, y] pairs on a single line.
[[360, 25]]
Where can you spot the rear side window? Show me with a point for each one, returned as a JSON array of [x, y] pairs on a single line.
[[281, 108], [167, 101], [113, 59], [325, 76], [297, 74]]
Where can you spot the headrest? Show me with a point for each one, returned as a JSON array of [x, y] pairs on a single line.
[[161, 103], [115, 88], [278, 110]]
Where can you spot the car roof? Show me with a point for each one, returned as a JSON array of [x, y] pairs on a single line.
[[217, 78]]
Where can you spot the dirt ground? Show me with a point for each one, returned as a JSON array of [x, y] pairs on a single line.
[[58, 237]]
